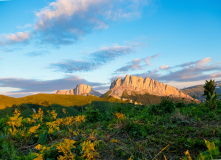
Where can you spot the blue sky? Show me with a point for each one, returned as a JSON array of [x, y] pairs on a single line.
[[51, 45]]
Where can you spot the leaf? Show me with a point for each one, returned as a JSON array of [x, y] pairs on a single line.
[[42, 138]]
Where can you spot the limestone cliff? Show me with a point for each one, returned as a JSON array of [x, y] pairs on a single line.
[[142, 86], [81, 89]]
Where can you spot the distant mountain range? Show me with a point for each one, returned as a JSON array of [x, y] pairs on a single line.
[[131, 88], [145, 91], [197, 91], [129, 84], [81, 89]]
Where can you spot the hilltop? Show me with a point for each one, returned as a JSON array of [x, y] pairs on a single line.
[[49, 99]]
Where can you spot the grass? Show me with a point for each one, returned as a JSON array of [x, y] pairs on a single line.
[[49, 99], [112, 131]]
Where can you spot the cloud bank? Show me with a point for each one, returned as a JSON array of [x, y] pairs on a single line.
[[67, 21], [94, 60], [32, 85], [203, 69]]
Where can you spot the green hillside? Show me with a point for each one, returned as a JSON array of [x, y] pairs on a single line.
[[111, 131], [49, 99]]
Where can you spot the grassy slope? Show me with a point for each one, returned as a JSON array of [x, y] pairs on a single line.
[[48, 99], [142, 135]]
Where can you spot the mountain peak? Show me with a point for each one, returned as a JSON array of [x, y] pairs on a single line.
[[81, 89], [142, 86]]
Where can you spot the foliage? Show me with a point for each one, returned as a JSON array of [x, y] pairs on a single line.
[[92, 114], [50, 99], [166, 106], [211, 95], [107, 130]]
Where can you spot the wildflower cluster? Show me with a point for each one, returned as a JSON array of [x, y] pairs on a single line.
[[15, 122], [113, 140], [52, 127], [119, 115], [88, 149], [39, 115]]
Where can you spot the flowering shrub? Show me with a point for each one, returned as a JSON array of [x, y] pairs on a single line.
[[119, 115], [88, 150]]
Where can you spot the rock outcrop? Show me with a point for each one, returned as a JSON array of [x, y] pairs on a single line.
[[142, 86], [81, 89]]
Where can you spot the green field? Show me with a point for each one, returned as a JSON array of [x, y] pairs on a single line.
[[98, 129], [49, 99]]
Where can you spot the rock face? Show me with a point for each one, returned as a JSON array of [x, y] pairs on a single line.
[[142, 86], [81, 89]]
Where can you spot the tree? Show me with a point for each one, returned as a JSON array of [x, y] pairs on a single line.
[[209, 87], [211, 95]]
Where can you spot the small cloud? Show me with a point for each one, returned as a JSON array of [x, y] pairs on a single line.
[[164, 67], [137, 64], [14, 38], [37, 53], [147, 60], [24, 27]]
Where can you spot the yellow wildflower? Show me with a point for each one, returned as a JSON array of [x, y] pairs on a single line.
[[33, 129], [65, 148], [52, 127], [88, 150], [130, 158], [64, 110], [38, 147], [113, 140], [80, 118], [38, 115], [54, 114], [119, 115], [39, 157]]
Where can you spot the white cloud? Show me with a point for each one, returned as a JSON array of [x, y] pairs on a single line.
[[147, 60], [24, 27], [164, 67], [13, 38], [67, 21], [94, 60], [20, 36]]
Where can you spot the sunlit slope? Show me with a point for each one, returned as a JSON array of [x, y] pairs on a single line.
[[48, 99], [7, 101]]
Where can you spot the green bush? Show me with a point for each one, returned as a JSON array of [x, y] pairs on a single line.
[[166, 106], [92, 115]]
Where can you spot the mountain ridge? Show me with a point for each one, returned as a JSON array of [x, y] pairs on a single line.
[[142, 86], [81, 89]]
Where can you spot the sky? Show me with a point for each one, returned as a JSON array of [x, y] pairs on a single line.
[[51, 45]]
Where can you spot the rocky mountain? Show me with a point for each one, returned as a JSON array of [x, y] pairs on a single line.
[[197, 91], [139, 85], [81, 89]]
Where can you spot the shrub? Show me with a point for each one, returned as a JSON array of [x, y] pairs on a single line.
[[166, 106], [211, 95], [92, 114]]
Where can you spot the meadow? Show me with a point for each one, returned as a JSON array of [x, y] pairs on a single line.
[[110, 130]]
